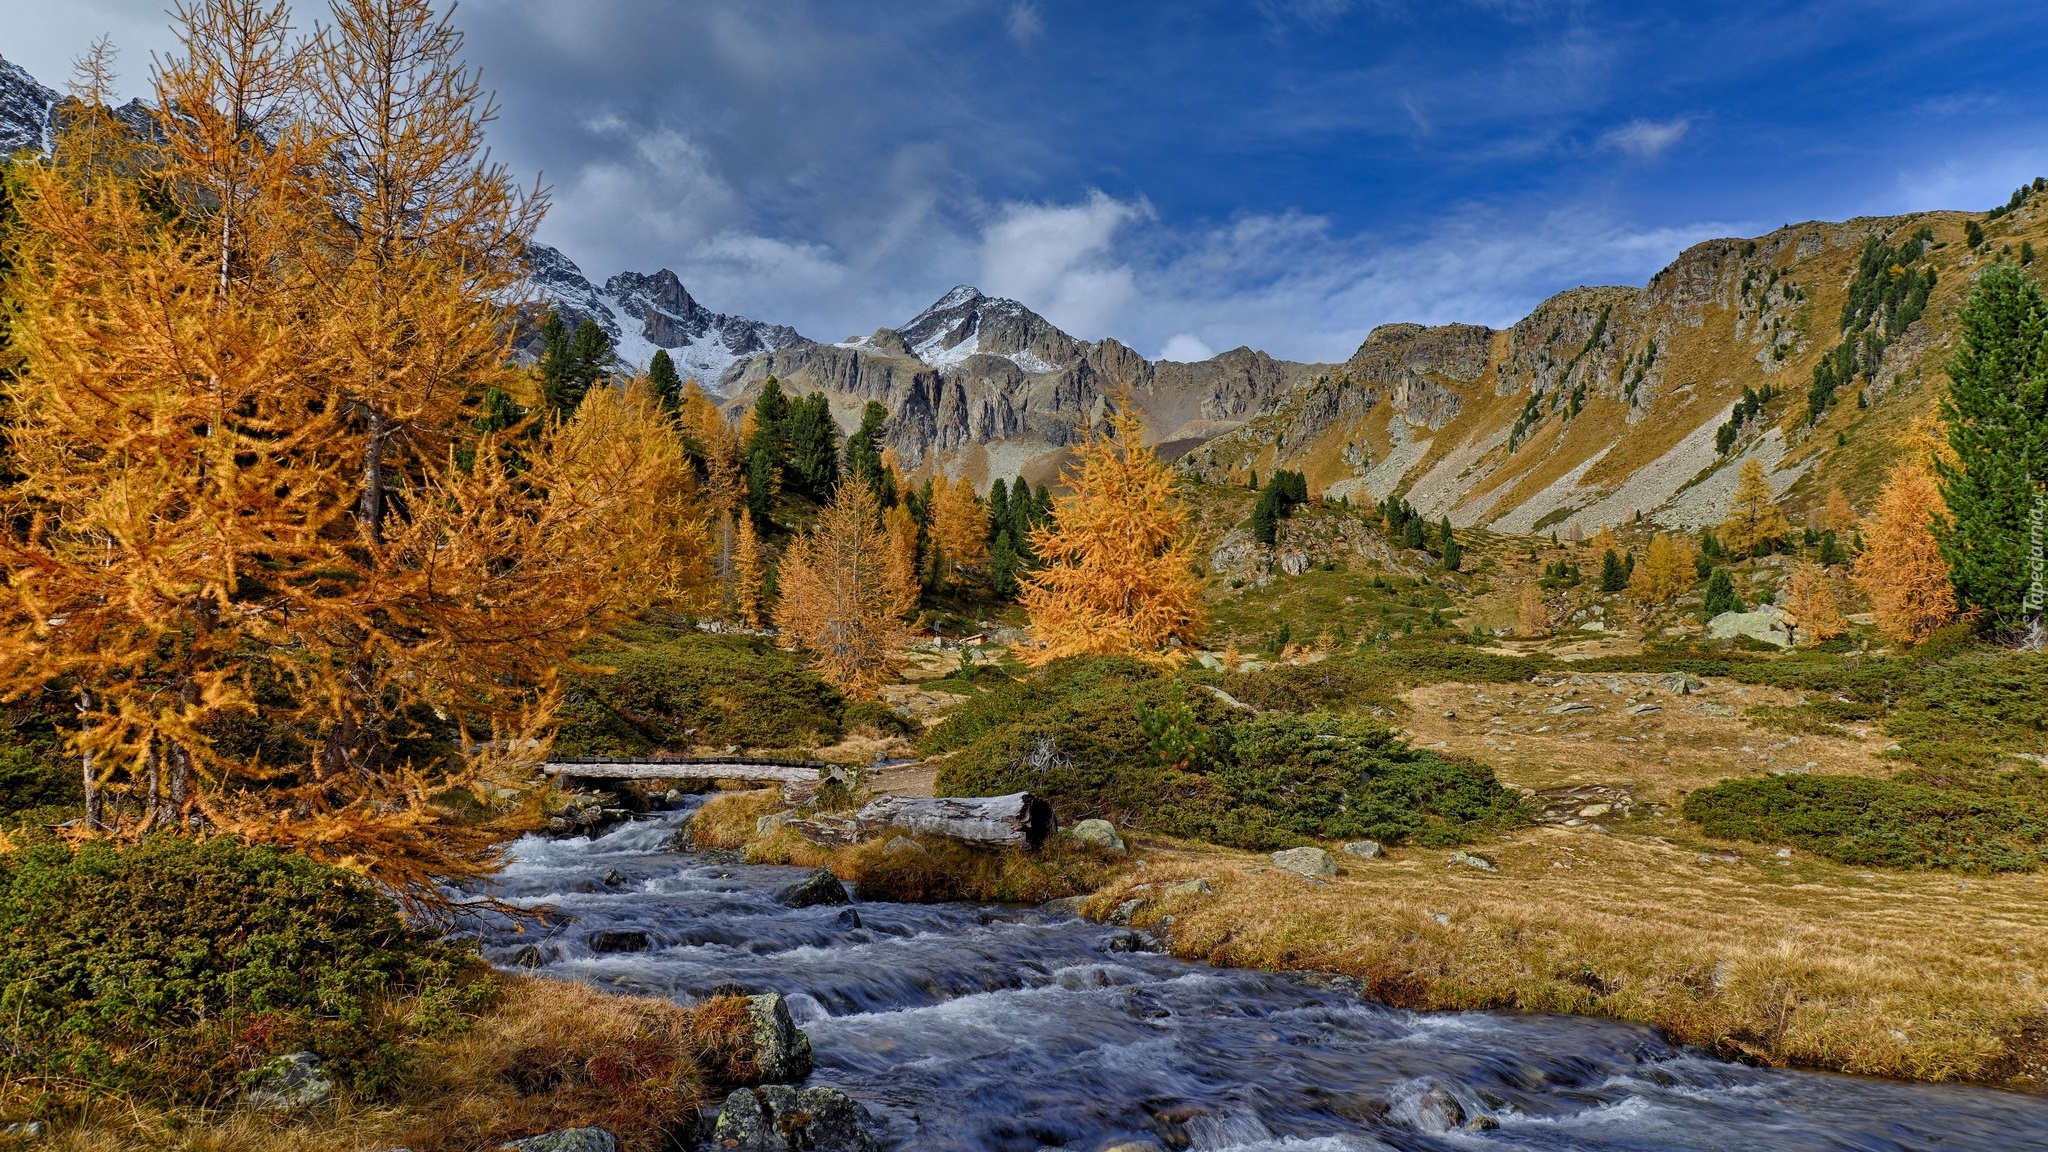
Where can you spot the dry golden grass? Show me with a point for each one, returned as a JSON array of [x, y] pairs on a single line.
[[1658, 756], [549, 1055], [1919, 975]]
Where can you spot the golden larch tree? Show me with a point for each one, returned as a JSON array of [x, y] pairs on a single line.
[[1900, 568], [254, 647], [959, 528], [748, 573], [836, 601], [1810, 598], [1753, 513], [900, 525], [1668, 569], [1532, 616], [714, 442], [1836, 515], [1118, 572]]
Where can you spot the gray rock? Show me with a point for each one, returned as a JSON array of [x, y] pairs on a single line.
[[1199, 886], [33, 1130], [902, 844], [1099, 834], [620, 940], [774, 1118], [1438, 1108], [1305, 861], [1365, 849], [1569, 708], [1767, 623], [291, 1083], [1680, 684], [781, 1050], [613, 878], [1123, 912], [820, 887], [1644, 709], [1481, 1124], [1065, 905], [1469, 860], [566, 1140], [849, 918]]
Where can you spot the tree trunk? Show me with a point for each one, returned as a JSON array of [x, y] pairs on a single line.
[[370, 509], [94, 808], [1019, 820]]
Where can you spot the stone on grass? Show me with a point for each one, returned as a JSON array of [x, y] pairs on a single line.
[[1199, 886], [902, 844], [566, 1140], [1365, 849], [291, 1083], [1099, 834], [1305, 861], [781, 1050], [820, 887], [1471, 861], [774, 1118]]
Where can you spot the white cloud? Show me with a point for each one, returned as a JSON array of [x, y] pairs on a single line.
[[1056, 258], [1647, 138], [1185, 347], [1025, 24]]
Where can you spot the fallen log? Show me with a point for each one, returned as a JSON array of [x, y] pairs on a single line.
[[1019, 820]]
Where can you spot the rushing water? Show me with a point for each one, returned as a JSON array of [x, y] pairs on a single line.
[[963, 1027]]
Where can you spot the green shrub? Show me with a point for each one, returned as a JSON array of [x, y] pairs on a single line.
[[1864, 821], [173, 967], [1076, 735], [32, 778], [698, 689]]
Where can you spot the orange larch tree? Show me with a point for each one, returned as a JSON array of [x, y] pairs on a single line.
[[1900, 568], [1118, 559], [835, 598], [1667, 570], [748, 574], [1810, 598], [1753, 513], [959, 528]]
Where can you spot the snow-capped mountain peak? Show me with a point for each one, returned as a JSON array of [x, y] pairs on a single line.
[[964, 323], [644, 312]]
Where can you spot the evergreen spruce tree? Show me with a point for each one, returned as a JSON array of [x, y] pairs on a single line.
[[1453, 556], [1411, 533], [662, 377], [1997, 417], [571, 362], [813, 447], [1265, 521], [1721, 596], [864, 453], [1612, 577], [1002, 565], [998, 513], [766, 452]]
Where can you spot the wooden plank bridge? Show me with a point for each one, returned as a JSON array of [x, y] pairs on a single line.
[[569, 769]]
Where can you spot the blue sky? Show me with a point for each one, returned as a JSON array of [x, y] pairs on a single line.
[[1193, 175]]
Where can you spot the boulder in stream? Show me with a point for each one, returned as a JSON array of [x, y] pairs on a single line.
[[620, 940], [820, 887], [781, 1050], [775, 1118], [1439, 1109]]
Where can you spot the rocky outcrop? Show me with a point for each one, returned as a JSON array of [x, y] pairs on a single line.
[[974, 372], [24, 110], [779, 1119], [566, 1140]]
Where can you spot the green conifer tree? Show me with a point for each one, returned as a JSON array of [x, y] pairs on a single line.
[[1612, 577], [1996, 413], [813, 440], [663, 378], [1720, 596]]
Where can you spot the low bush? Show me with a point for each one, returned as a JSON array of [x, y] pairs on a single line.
[[1209, 772], [674, 694], [30, 778], [171, 968], [1863, 821]]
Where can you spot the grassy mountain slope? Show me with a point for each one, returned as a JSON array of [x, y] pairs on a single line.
[[1606, 402]]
